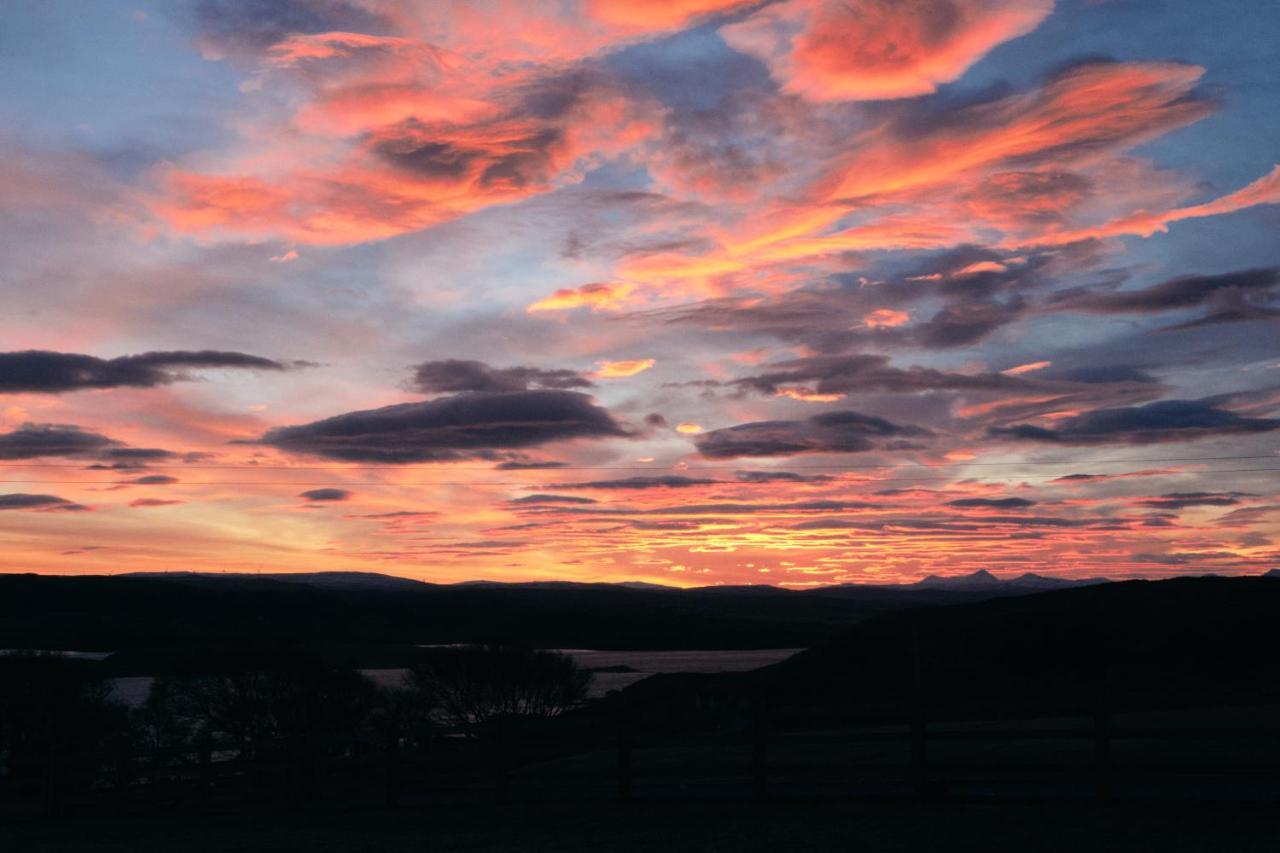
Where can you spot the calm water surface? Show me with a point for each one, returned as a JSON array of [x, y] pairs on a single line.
[[133, 691]]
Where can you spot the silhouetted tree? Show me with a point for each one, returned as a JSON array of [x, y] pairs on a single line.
[[243, 698], [470, 685], [404, 713], [49, 702]]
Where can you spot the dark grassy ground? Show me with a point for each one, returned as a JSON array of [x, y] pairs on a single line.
[[675, 827]]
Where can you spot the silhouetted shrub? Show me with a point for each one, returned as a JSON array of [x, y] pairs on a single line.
[[470, 685]]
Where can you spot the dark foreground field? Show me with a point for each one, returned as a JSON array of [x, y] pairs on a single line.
[[674, 828]]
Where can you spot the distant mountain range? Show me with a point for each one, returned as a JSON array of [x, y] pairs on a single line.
[[981, 580]]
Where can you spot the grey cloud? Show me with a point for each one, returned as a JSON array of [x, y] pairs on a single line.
[[325, 495], [32, 441], [992, 503], [1184, 292], [846, 374], [840, 431], [669, 481], [466, 426], [1183, 500], [22, 500], [967, 322], [528, 465], [552, 499], [455, 375], [721, 509], [44, 372], [1164, 421], [781, 477]]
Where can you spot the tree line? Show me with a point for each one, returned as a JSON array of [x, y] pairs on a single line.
[[53, 704]]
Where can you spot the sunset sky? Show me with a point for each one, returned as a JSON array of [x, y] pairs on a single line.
[[683, 291]]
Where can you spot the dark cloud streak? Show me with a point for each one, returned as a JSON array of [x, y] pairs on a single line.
[[45, 372], [467, 426]]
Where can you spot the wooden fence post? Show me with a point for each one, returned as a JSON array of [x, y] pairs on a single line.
[[51, 770], [153, 786], [919, 747], [503, 759], [248, 763], [124, 776], [206, 770], [293, 771], [760, 748], [625, 772], [393, 778], [925, 787], [1103, 775]]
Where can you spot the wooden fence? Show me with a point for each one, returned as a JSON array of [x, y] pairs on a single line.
[[592, 758]]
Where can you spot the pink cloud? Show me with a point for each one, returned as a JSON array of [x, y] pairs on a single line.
[[878, 49]]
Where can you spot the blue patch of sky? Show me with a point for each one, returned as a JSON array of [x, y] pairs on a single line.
[[622, 176], [691, 71], [114, 79], [1217, 244], [1234, 40]]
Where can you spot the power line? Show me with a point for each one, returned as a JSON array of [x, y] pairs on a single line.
[[519, 484], [823, 467]]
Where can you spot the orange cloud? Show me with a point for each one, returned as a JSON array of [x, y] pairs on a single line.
[[353, 110], [656, 14], [689, 428], [877, 49], [808, 395], [395, 133], [622, 369], [980, 267], [403, 177], [1026, 368], [597, 296], [1265, 190], [1010, 199], [1079, 115], [980, 409], [1079, 118], [299, 48], [885, 318]]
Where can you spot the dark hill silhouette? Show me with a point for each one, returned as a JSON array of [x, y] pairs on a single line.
[[1185, 641], [329, 580], [115, 613], [1002, 637]]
